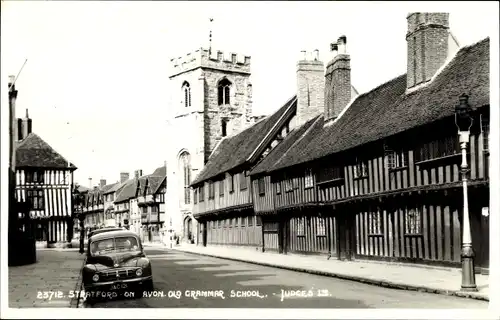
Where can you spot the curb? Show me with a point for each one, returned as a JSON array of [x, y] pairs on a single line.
[[380, 283], [75, 302]]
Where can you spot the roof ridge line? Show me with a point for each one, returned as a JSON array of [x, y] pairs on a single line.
[[300, 138], [290, 102]]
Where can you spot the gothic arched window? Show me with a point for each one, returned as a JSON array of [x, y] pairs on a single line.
[[187, 94], [185, 162], [223, 91]]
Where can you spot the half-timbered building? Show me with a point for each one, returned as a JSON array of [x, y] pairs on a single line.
[[93, 208], [122, 202], [150, 195], [223, 202], [378, 176], [224, 195], [111, 219], [44, 180]]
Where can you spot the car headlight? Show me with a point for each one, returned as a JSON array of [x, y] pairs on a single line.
[[95, 277], [138, 272]]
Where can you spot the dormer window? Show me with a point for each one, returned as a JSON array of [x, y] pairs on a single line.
[[223, 91], [187, 94]]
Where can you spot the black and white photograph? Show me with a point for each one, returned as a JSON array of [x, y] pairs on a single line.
[[246, 159]]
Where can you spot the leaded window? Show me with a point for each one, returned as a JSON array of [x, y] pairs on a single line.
[[360, 168], [413, 221], [374, 223], [223, 92], [35, 198], [301, 228], [309, 182], [320, 227], [185, 160], [261, 186]]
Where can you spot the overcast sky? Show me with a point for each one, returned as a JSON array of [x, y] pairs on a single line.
[[97, 73]]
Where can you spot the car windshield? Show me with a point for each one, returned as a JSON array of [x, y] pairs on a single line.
[[118, 244]]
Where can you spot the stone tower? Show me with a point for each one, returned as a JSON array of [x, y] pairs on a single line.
[[210, 98]]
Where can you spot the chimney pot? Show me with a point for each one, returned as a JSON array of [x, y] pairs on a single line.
[[338, 80], [342, 45], [303, 55], [138, 173], [316, 55]]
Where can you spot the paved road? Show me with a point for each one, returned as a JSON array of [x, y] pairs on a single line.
[[188, 273]]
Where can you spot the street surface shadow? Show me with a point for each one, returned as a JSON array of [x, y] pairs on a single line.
[[208, 283]]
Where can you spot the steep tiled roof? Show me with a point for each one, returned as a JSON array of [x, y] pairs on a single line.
[[388, 109], [114, 187], [155, 183], [108, 187], [142, 184], [234, 151], [282, 148], [94, 196], [127, 191], [161, 171], [33, 151]]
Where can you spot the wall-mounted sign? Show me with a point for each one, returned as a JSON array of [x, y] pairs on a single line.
[[486, 211]]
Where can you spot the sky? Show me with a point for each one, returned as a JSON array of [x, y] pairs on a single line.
[[96, 79]]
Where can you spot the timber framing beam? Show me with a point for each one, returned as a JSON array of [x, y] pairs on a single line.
[[224, 212]]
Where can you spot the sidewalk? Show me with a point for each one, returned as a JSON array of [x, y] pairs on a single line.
[[401, 276], [55, 270]]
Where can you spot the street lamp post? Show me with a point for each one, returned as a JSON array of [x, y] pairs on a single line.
[[463, 121], [81, 219]]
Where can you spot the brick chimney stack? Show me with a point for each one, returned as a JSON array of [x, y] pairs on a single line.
[[102, 183], [337, 80], [124, 176], [90, 183], [427, 45], [310, 87], [137, 174]]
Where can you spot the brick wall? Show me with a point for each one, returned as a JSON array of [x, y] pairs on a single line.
[[310, 89], [338, 85], [427, 44]]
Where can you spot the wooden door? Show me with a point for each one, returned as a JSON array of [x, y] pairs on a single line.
[[204, 235], [484, 254], [346, 235]]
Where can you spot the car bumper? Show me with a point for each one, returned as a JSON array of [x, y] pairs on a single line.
[[108, 284]]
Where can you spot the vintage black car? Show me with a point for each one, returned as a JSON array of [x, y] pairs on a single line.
[[105, 229], [116, 262]]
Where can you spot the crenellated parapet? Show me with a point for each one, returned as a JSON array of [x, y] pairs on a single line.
[[220, 60]]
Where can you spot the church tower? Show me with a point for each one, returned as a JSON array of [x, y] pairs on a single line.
[[210, 98]]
